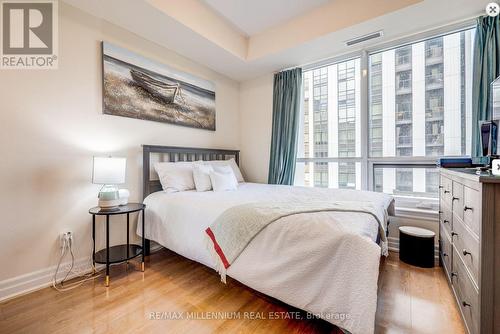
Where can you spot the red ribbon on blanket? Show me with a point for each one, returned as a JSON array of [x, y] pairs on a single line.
[[217, 248]]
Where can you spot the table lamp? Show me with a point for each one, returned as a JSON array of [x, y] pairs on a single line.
[[109, 171]]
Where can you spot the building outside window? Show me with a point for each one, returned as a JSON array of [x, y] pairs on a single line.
[[403, 56], [378, 180], [347, 175], [336, 115], [404, 81], [375, 120], [308, 181], [432, 181], [404, 180], [418, 107], [346, 109], [320, 128], [432, 117]]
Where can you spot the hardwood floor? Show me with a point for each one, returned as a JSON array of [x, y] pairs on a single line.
[[411, 300], [415, 300]]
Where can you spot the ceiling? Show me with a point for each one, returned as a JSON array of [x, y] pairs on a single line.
[[254, 16], [244, 39]]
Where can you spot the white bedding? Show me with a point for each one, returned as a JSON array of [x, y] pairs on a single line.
[[325, 263]]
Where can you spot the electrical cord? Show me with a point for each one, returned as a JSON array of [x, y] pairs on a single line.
[[68, 245]]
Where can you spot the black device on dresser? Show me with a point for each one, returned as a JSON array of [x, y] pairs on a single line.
[[118, 253]]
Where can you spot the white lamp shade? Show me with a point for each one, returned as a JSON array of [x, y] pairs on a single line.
[[109, 170]]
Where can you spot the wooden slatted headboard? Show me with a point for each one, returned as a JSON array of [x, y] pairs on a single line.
[[173, 154]]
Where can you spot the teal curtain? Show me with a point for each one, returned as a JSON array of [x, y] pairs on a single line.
[[287, 94], [486, 69]]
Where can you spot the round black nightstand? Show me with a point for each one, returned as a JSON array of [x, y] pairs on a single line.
[[118, 253], [416, 246]]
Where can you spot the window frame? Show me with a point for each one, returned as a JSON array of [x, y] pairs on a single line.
[[368, 164]]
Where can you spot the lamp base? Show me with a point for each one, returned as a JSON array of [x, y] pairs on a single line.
[[109, 197], [110, 204]]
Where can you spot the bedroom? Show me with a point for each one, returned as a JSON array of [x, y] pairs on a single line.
[[286, 160]]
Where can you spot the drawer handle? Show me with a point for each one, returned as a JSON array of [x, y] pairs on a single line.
[[465, 304], [465, 253], [446, 191], [446, 221], [453, 274], [440, 187], [444, 254], [467, 208], [455, 198], [440, 212], [453, 234]]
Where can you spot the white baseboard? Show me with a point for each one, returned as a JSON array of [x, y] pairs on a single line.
[[40, 279], [23, 284]]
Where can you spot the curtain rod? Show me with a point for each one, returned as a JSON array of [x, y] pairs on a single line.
[[286, 69]]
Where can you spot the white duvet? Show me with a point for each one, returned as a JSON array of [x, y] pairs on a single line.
[[325, 263]]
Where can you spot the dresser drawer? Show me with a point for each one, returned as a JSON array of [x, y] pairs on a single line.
[[445, 249], [467, 245], [467, 295], [446, 220], [472, 209], [445, 190], [457, 199]]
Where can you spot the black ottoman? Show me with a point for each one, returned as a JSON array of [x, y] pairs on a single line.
[[416, 246]]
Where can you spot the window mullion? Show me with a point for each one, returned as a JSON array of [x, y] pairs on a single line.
[[364, 101]]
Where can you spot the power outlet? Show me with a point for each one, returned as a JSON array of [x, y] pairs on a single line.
[[66, 239]]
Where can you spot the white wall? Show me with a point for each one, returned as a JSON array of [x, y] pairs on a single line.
[[256, 106], [51, 126]]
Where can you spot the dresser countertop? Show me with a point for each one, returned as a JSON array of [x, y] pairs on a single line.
[[473, 174]]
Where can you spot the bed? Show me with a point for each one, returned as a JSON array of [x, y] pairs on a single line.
[[325, 263]]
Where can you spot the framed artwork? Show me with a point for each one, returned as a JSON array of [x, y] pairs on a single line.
[[137, 87]]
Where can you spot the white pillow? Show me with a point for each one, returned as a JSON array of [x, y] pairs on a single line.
[[232, 163], [223, 179], [201, 176], [175, 176]]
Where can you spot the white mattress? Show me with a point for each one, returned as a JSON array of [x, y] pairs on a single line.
[[296, 259]]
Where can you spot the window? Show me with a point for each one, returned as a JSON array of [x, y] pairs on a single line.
[[400, 181], [378, 180], [343, 175], [418, 107], [403, 56], [332, 106], [321, 174], [404, 180], [440, 71], [347, 175], [435, 81]]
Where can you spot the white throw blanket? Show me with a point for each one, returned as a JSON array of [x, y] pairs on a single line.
[[236, 227]]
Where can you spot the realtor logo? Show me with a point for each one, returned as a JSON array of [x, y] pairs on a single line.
[[29, 34]]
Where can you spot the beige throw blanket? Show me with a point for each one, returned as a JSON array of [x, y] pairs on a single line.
[[235, 228]]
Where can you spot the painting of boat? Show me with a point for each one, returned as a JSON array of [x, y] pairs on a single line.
[[159, 89], [137, 87]]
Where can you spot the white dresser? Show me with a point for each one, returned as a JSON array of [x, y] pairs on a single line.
[[469, 226]]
